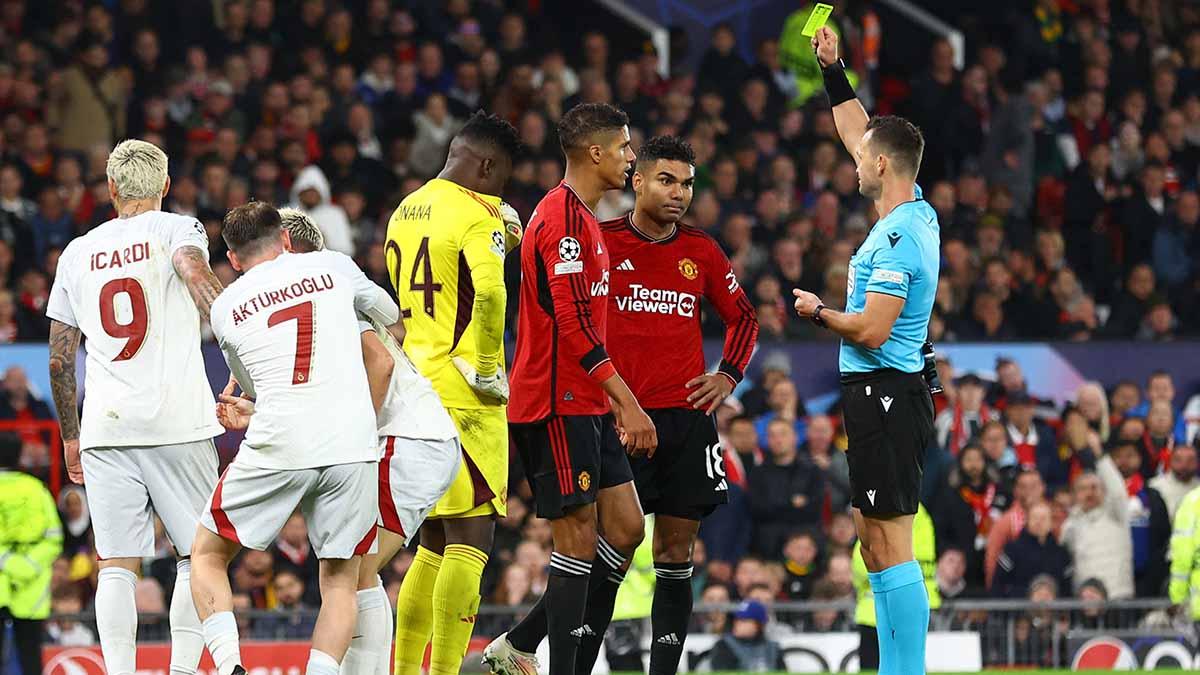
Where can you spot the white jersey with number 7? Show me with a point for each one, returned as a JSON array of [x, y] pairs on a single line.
[[145, 383], [289, 331]]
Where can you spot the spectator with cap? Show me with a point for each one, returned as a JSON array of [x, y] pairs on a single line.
[[1032, 439], [746, 647], [1034, 552], [960, 423], [1179, 478]]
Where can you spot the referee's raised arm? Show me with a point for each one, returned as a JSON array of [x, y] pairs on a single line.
[[848, 113]]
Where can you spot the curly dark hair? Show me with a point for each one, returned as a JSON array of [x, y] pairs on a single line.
[[493, 130], [670, 148], [579, 123]]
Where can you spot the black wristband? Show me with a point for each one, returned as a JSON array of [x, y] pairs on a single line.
[[816, 316], [837, 86]]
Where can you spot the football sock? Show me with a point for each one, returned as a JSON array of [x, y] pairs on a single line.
[[187, 635], [221, 636], [669, 615], [320, 663], [603, 582], [455, 604], [907, 599], [528, 633], [383, 664], [414, 611], [371, 634], [883, 625], [116, 619], [566, 599]]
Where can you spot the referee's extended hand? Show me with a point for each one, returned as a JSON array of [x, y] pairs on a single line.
[[825, 44], [806, 303]]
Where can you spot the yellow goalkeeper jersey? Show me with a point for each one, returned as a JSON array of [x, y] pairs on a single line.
[[445, 257]]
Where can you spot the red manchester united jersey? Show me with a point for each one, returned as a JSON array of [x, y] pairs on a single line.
[[654, 310], [560, 357]]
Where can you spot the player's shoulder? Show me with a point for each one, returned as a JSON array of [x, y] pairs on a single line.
[[617, 224], [702, 241]]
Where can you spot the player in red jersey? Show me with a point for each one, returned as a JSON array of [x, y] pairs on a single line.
[[661, 268], [562, 382]]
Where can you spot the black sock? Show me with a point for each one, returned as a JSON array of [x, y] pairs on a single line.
[[669, 615], [528, 633], [605, 579], [566, 599]]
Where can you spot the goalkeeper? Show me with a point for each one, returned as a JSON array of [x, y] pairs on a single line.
[[445, 251]]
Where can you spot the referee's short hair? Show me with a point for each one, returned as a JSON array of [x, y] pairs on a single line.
[[900, 140], [306, 236]]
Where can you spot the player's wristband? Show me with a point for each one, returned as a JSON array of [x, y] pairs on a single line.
[[837, 86], [816, 316]]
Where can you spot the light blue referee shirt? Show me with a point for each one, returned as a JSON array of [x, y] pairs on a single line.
[[901, 257]]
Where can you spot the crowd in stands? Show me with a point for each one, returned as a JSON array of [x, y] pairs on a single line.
[[1063, 164]]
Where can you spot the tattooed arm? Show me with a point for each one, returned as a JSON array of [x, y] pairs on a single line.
[[192, 266], [64, 345]]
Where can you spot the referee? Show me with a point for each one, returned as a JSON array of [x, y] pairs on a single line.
[[886, 401]]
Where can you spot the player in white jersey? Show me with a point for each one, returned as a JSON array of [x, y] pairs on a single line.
[[137, 287], [419, 458], [289, 330]]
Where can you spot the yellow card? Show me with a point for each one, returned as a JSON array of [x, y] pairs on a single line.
[[819, 16]]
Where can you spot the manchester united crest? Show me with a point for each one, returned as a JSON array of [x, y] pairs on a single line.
[[688, 268], [585, 480]]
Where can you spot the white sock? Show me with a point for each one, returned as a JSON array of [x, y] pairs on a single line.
[[372, 633], [221, 636], [116, 620], [320, 663], [384, 625], [187, 635]]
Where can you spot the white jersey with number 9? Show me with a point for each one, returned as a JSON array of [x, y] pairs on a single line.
[[145, 383]]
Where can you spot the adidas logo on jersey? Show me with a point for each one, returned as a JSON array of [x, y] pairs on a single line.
[[668, 639], [582, 631], [722, 486], [626, 265]]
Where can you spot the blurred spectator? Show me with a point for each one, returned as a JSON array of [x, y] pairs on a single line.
[[713, 622], [993, 439], [742, 438], [292, 551], [67, 631], [801, 559], [783, 403], [818, 445], [785, 493], [18, 404], [1097, 533], [251, 575], [311, 194], [745, 647], [1149, 522], [77, 520], [966, 510], [1160, 386], [1092, 402], [951, 576], [1034, 552], [1028, 489], [958, 424], [1032, 439], [88, 106], [297, 619], [1179, 479]]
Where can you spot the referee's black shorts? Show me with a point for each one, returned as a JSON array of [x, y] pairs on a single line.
[[889, 424]]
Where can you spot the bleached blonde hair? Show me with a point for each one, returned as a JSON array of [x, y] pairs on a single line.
[[138, 169], [302, 229]]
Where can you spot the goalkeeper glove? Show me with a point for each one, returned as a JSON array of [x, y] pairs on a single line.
[[494, 386], [512, 226]]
